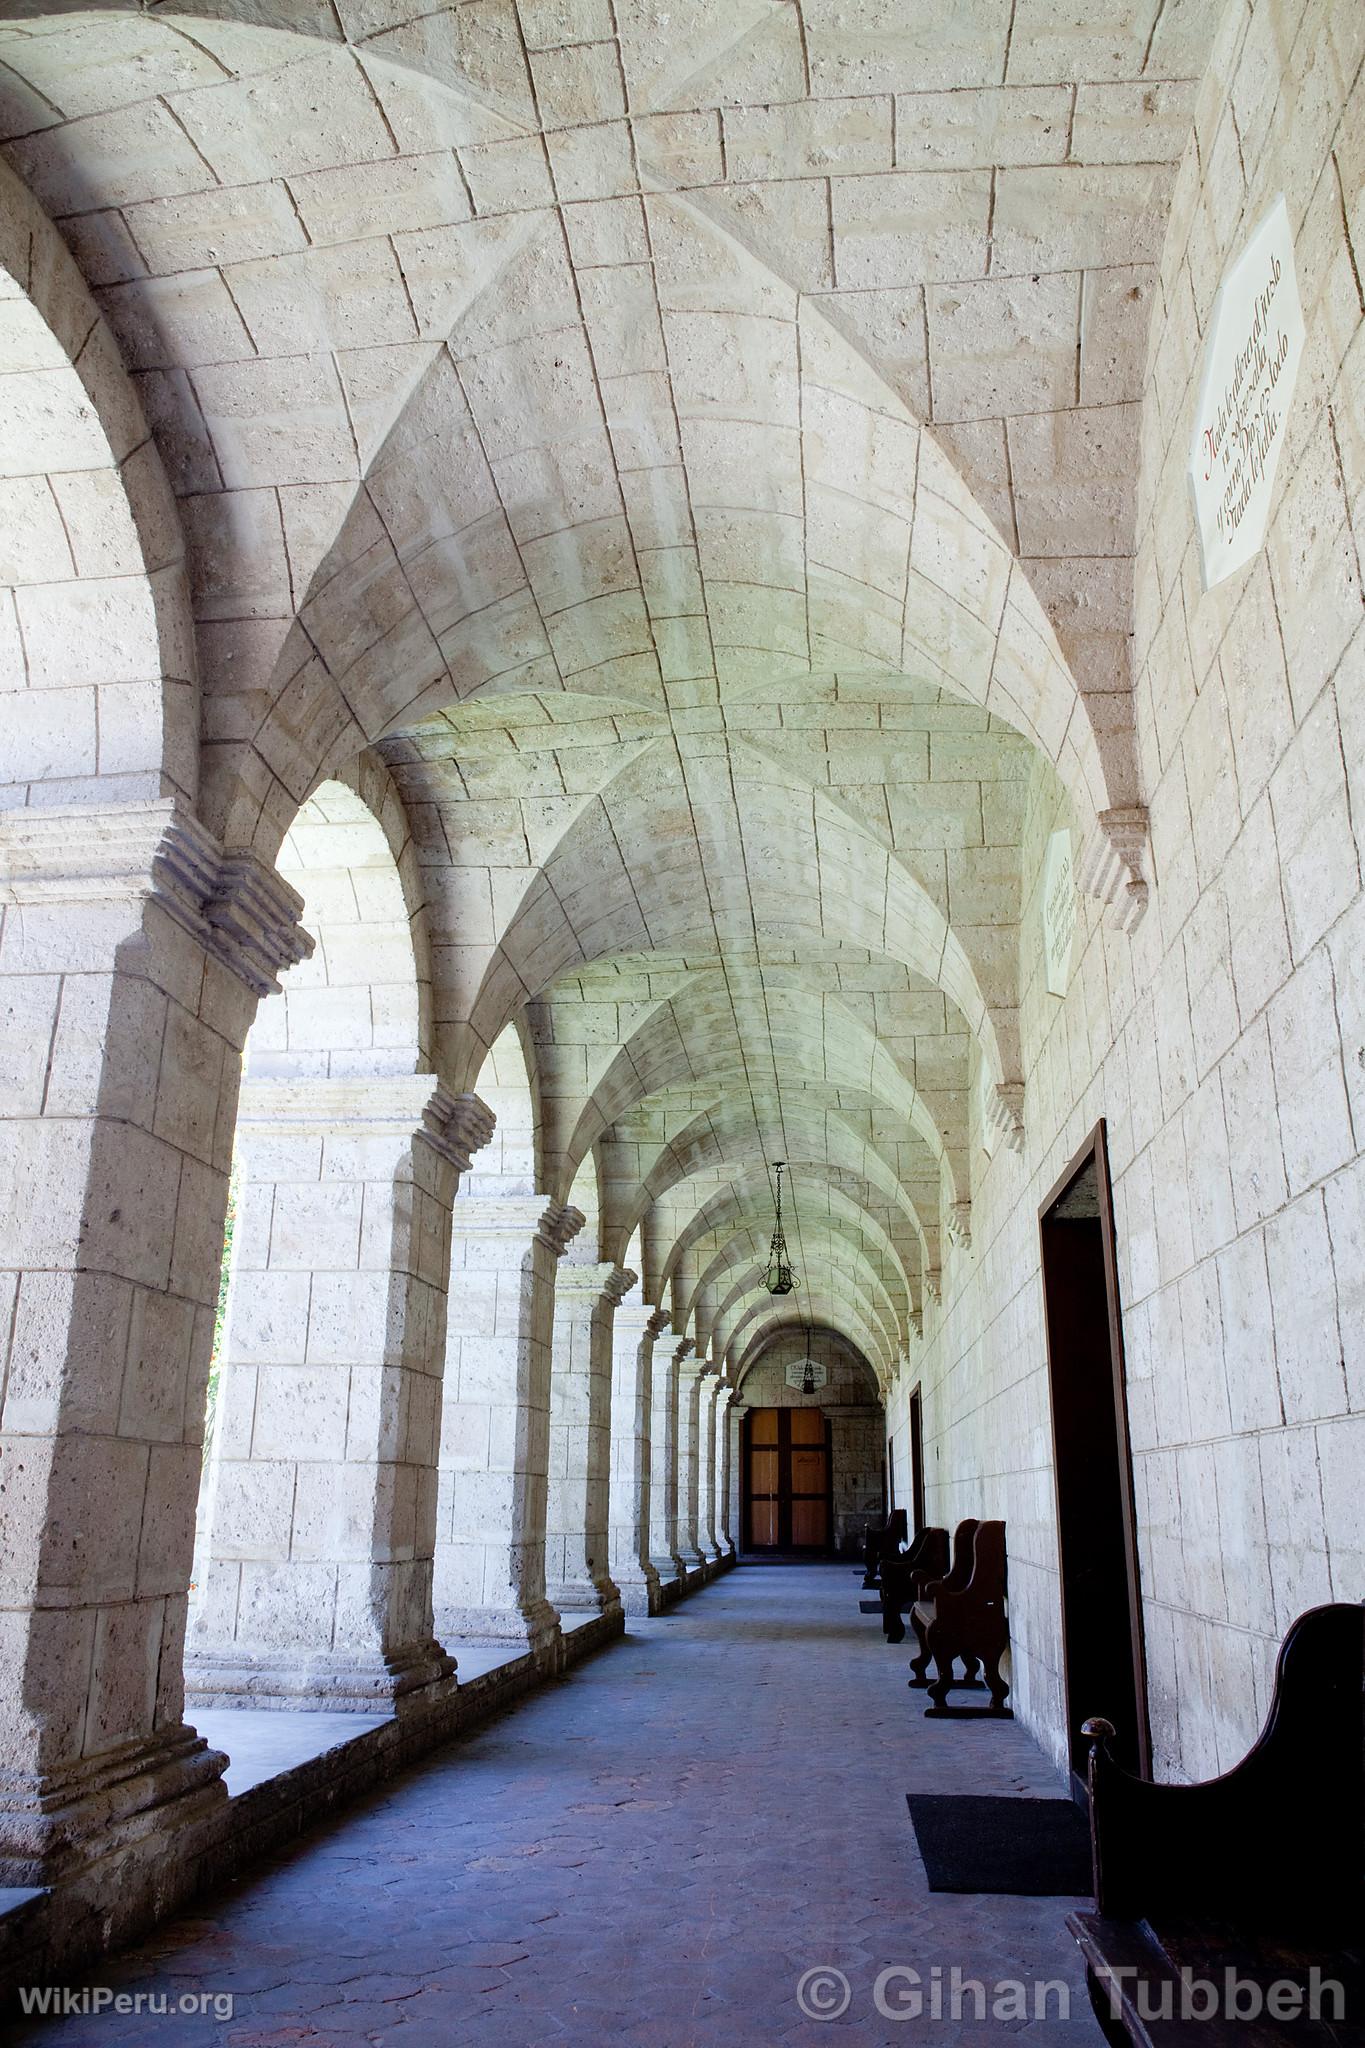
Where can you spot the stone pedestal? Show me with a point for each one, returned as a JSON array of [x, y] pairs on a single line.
[[495, 1428], [576, 1540], [633, 1336], [321, 1509], [690, 1553], [134, 952], [669, 1350]]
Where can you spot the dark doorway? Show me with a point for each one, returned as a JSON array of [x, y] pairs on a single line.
[[917, 1459], [1101, 1609], [788, 1499]]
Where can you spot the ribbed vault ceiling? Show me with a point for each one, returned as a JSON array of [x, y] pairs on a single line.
[[692, 453]]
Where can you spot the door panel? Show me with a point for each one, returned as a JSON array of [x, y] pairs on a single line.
[[1103, 1657], [787, 1479]]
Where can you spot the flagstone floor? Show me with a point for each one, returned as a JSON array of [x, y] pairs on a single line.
[[655, 1851]]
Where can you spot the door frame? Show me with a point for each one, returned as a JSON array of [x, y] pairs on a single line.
[[825, 1549], [1095, 1151], [917, 1457]]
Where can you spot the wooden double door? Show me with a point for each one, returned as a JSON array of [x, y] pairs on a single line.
[[788, 1502]]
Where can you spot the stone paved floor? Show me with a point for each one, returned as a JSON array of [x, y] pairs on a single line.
[[651, 1853]]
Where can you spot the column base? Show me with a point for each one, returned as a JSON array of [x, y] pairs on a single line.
[[639, 1589], [403, 1682], [691, 1567], [53, 1825], [535, 1626], [584, 1596], [669, 1576]]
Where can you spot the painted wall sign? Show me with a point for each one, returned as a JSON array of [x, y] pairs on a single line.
[[1059, 912], [1251, 358], [796, 1373]]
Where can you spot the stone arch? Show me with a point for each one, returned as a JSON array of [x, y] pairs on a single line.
[[362, 1004], [96, 644], [316, 1520], [508, 1081]]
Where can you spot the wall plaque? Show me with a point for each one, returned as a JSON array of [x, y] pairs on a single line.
[[1251, 358], [1059, 912], [798, 1368]]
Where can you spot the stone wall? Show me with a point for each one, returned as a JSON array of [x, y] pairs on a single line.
[[1224, 1040]]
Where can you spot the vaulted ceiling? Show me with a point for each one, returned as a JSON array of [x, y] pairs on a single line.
[[692, 454]]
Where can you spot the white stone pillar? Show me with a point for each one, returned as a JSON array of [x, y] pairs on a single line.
[[669, 1349], [707, 1540], [576, 1540], [321, 1511], [495, 1430], [633, 1336], [690, 1371], [133, 952], [725, 1522], [738, 1410]]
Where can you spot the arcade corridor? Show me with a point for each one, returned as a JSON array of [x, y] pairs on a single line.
[[652, 1853]]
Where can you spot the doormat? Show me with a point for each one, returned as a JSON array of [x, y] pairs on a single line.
[[869, 1607], [1034, 1848]]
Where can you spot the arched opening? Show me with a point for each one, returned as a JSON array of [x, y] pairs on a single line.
[[316, 1514], [506, 1241], [814, 1443]]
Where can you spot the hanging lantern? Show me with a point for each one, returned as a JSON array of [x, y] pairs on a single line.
[[779, 1278], [808, 1376]]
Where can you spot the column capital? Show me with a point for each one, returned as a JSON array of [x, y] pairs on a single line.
[[641, 1317], [556, 1224], [370, 1105], [605, 1282], [238, 908]]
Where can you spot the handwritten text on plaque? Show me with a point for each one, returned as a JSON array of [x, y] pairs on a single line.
[[1255, 341], [1059, 912]]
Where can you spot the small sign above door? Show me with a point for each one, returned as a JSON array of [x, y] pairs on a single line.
[[799, 1367]]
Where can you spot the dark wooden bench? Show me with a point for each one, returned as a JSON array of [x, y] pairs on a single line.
[[879, 1544], [1260, 1873], [904, 1579], [963, 1618]]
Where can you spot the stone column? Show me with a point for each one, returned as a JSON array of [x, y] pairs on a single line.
[[707, 1541], [669, 1350], [738, 1410], [690, 1373], [495, 1427], [576, 1541], [133, 952], [726, 1521], [633, 1336], [320, 1519]]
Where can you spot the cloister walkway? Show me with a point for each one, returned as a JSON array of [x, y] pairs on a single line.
[[651, 1852]]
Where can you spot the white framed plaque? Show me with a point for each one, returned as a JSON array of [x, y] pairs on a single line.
[[798, 1368], [1251, 359], [1059, 912]]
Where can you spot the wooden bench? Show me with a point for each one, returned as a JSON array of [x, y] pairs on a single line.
[[904, 1579], [1259, 1873], [879, 1544], [963, 1617]]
